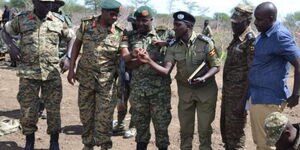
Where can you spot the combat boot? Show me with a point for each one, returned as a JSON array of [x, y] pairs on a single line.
[[29, 142], [141, 146], [54, 142]]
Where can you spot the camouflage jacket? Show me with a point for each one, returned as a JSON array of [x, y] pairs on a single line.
[[39, 43], [239, 56], [145, 80], [99, 50]]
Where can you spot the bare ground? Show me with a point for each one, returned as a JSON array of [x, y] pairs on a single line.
[[70, 138]]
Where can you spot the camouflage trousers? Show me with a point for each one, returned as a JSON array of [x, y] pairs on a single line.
[[156, 108], [28, 97], [96, 107], [232, 126]]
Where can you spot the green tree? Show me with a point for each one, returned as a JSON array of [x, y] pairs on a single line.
[[94, 4], [221, 16], [72, 6], [17, 3], [292, 18]]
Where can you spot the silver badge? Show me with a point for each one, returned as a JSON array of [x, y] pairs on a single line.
[[180, 16]]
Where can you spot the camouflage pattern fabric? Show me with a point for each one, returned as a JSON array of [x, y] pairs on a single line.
[[38, 43], [201, 97], [235, 79], [28, 97], [38, 69], [150, 93], [207, 31], [96, 73]]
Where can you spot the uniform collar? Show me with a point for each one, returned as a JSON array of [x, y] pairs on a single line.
[[272, 29], [191, 40], [243, 35], [110, 29], [33, 16]]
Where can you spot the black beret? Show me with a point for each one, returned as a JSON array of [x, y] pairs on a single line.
[[184, 16]]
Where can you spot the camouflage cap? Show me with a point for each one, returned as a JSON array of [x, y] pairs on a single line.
[[61, 2], [275, 124], [144, 11], [131, 17], [241, 12], [110, 4]]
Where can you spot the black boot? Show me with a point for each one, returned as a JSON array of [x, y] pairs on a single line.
[[54, 142], [141, 146], [29, 142], [163, 148]]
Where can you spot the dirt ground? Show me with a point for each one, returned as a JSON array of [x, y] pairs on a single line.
[[70, 138]]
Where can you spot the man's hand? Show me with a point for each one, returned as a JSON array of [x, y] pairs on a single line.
[[65, 65], [293, 101], [160, 43], [144, 57], [14, 53], [198, 80], [71, 77]]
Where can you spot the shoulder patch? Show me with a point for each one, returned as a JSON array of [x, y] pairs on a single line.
[[250, 36], [204, 38]]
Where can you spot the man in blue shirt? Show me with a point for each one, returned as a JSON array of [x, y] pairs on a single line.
[[275, 50]]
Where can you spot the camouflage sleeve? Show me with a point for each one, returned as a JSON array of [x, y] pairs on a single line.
[[13, 27], [170, 56], [212, 55], [67, 33], [80, 30], [124, 41]]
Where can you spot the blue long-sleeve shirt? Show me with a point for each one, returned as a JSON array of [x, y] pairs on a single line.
[[274, 50]]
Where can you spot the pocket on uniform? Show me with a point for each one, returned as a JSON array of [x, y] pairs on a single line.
[[197, 57], [53, 34]]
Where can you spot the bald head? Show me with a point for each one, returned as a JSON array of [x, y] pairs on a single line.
[[268, 8], [265, 16]]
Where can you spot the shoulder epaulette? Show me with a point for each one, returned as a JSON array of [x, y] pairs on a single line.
[[250, 36], [204, 38], [23, 13], [161, 27], [59, 16]]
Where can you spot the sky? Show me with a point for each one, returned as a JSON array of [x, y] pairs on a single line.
[[284, 6]]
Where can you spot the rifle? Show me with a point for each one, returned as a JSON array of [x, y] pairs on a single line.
[[123, 77], [13, 50]]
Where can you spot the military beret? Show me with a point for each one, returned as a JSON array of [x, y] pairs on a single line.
[[61, 2], [144, 11], [131, 17], [241, 12], [110, 4], [275, 123], [184, 16]]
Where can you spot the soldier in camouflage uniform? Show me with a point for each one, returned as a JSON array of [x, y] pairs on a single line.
[[150, 91], [63, 47], [188, 52], [40, 32], [207, 29], [281, 133], [235, 78], [99, 37]]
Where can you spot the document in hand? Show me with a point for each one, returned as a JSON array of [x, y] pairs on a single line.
[[199, 72]]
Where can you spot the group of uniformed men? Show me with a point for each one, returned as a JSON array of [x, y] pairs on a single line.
[[150, 54]]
